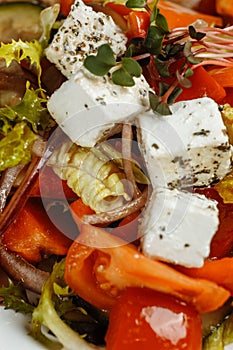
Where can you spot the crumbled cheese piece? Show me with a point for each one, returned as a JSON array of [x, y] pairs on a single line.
[[178, 226], [87, 106], [189, 147], [80, 35]]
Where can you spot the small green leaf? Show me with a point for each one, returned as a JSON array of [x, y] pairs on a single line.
[[163, 87], [132, 66], [102, 62], [189, 55], [154, 13], [14, 297], [129, 51], [183, 80], [187, 49], [173, 49], [162, 23], [194, 34], [122, 77], [135, 3], [153, 40], [162, 68], [163, 109], [175, 93], [188, 73], [154, 100]]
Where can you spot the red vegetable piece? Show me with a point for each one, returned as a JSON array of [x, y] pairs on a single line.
[[143, 319]]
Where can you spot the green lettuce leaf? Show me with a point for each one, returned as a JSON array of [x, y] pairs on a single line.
[[16, 146], [31, 110], [15, 297], [221, 336], [46, 314], [21, 50]]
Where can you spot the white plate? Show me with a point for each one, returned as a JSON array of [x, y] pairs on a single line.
[[14, 332]]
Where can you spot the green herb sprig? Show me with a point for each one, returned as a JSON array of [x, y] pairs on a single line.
[[105, 60]]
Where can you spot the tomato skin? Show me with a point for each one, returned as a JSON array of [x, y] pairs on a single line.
[[222, 242], [138, 23], [65, 6], [178, 325], [119, 8]]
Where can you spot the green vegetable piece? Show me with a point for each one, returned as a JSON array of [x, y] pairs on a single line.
[[122, 77], [15, 298], [31, 110], [189, 55], [154, 13], [16, 147], [153, 40], [221, 336], [188, 73], [158, 106], [162, 23], [132, 67], [162, 68], [135, 3], [46, 315], [21, 50], [196, 35], [102, 62]]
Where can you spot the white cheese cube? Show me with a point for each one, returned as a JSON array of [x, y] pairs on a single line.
[[80, 35], [190, 147], [178, 227], [87, 106]]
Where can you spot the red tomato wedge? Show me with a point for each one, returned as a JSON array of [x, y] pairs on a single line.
[[100, 266], [138, 23], [143, 319]]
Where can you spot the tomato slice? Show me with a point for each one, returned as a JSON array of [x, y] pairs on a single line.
[[143, 319]]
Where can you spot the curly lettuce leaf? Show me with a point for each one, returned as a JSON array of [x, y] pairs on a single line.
[[31, 110], [15, 297], [16, 146], [45, 314], [21, 50]]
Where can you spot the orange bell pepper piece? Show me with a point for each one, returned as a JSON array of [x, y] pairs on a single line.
[[203, 84], [217, 270], [32, 235], [180, 16]]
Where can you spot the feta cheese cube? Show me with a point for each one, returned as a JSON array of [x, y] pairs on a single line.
[[178, 226], [82, 32], [94, 104], [190, 147]]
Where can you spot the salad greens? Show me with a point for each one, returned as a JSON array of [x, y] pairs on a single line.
[[16, 146], [221, 336], [21, 124], [104, 60], [55, 302]]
